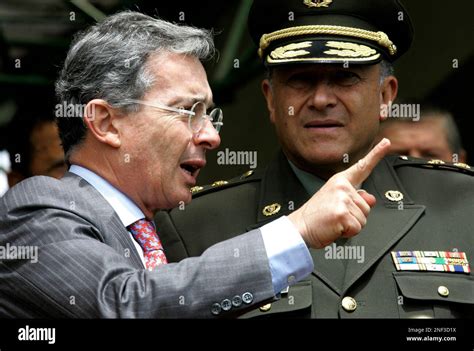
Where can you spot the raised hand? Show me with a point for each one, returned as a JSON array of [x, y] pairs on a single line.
[[338, 209]]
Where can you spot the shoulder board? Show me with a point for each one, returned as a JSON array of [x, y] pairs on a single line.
[[401, 161], [249, 176]]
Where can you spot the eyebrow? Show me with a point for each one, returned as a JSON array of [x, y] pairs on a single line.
[[191, 101]]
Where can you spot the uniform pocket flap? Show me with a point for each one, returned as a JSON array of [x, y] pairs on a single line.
[[435, 286], [298, 299]]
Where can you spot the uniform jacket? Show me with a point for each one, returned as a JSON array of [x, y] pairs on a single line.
[[87, 265], [436, 214]]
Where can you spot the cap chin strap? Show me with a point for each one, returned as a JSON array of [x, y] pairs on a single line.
[[380, 37]]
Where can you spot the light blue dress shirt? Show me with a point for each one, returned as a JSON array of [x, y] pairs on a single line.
[[289, 258]]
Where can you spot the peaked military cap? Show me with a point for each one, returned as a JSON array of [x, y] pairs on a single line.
[[330, 31]]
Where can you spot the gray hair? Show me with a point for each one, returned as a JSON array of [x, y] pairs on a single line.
[[109, 61], [386, 70]]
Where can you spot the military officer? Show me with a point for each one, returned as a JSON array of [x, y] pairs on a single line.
[[329, 71]]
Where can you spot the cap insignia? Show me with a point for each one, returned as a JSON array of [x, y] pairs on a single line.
[[291, 50], [379, 37], [348, 49], [317, 3]]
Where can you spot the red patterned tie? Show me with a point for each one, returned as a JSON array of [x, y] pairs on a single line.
[[145, 234]]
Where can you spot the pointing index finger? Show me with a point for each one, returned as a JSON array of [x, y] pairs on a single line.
[[358, 172]]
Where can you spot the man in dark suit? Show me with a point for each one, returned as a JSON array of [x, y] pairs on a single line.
[[329, 75], [133, 124]]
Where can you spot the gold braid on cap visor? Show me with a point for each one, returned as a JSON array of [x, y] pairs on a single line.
[[380, 37]]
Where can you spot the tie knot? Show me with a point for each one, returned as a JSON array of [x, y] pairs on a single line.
[[142, 226]]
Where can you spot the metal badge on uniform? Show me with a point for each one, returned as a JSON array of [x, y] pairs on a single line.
[[271, 210], [317, 3], [394, 195], [433, 261]]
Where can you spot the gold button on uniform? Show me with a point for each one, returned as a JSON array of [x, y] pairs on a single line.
[[349, 304], [443, 291], [266, 307]]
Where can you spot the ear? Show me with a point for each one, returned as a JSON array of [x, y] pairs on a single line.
[[100, 119], [388, 92], [268, 94]]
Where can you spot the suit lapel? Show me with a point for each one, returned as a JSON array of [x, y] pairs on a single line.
[[108, 222], [387, 224], [280, 186]]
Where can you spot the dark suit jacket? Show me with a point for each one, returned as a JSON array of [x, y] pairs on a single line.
[[437, 214], [88, 265]]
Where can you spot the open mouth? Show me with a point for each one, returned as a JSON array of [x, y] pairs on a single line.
[[189, 169], [192, 167]]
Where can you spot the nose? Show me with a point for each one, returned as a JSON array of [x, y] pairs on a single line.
[[207, 137], [323, 96]]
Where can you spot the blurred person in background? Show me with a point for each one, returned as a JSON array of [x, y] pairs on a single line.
[[434, 136], [33, 144]]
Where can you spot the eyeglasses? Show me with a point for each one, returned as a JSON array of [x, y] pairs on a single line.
[[197, 116]]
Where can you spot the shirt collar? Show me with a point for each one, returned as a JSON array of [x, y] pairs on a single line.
[[310, 182], [127, 211]]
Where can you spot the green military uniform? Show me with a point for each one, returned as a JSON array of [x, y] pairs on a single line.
[[422, 206], [435, 214]]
